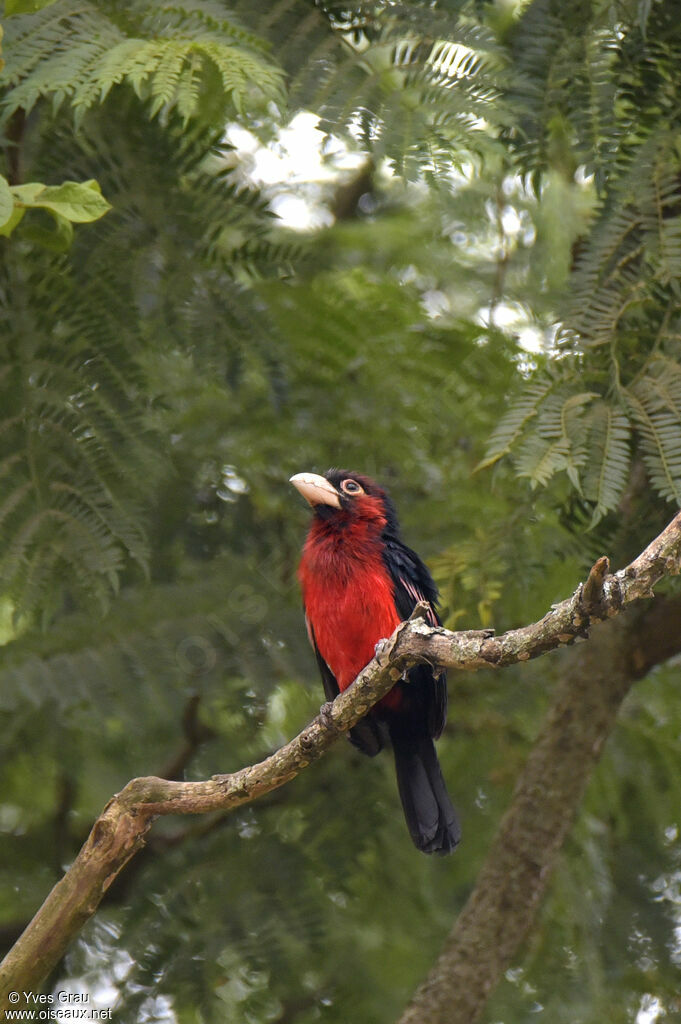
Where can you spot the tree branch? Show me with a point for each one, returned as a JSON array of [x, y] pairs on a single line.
[[119, 831]]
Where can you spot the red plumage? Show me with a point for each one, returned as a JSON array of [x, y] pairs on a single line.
[[359, 581], [348, 594]]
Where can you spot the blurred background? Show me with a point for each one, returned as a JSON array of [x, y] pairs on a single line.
[[435, 242]]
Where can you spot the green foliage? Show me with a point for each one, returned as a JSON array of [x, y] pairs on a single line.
[[654, 405], [411, 82], [187, 58], [164, 377], [622, 307], [607, 473], [87, 478], [70, 202], [71, 437], [549, 429]]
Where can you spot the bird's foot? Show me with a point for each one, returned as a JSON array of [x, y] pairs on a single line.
[[383, 650], [326, 715]]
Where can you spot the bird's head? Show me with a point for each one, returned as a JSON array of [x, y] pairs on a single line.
[[343, 498]]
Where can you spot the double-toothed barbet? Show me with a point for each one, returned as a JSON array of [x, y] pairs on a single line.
[[359, 581]]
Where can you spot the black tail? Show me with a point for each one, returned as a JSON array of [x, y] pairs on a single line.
[[433, 823]]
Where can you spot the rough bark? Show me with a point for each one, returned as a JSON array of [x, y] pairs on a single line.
[[514, 862]]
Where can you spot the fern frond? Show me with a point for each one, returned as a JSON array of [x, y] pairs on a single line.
[[664, 379], [77, 53], [188, 87], [512, 425], [660, 430], [575, 427], [67, 514], [559, 440], [634, 247], [421, 92], [197, 17], [539, 459], [418, 90], [166, 74], [607, 467]]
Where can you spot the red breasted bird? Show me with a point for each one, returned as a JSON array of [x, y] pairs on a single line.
[[359, 580]]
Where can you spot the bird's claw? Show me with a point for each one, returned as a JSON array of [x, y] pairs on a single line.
[[326, 715], [383, 650]]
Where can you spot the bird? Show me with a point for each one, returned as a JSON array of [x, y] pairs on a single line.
[[359, 580]]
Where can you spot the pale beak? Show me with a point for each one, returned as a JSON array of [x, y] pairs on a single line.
[[316, 489]]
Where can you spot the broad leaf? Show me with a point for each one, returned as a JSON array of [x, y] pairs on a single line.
[[79, 202]]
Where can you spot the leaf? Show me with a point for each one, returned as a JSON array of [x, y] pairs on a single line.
[[79, 202], [574, 424], [660, 432], [151, 59], [608, 466], [9, 226], [512, 425], [58, 239], [6, 201]]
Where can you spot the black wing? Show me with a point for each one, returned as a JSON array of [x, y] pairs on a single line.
[[365, 735], [412, 583]]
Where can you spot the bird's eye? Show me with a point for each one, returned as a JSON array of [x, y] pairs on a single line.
[[351, 487]]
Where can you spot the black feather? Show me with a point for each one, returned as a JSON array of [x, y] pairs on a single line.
[[432, 821], [366, 735], [412, 583], [431, 818]]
